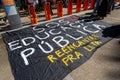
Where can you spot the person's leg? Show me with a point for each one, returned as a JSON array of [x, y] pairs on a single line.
[[25, 4], [102, 11], [21, 5], [51, 8], [65, 3], [109, 6], [96, 6], [113, 6], [5, 19], [39, 3]]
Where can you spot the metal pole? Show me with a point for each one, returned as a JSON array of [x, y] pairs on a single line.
[[12, 14]]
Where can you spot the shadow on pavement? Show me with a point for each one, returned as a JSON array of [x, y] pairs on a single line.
[[113, 58], [113, 32], [113, 62], [114, 74], [90, 17]]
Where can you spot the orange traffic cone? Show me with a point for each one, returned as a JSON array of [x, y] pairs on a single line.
[[69, 6], [32, 14], [78, 5], [92, 4], [59, 9], [47, 11], [85, 4]]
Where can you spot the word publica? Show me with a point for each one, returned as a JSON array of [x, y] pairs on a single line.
[[68, 54], [47, 47]]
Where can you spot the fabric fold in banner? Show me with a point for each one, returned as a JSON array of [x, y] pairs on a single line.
[[50, 51]]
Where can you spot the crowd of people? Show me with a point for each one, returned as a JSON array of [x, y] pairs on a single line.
[[23, 3], [102, 8]]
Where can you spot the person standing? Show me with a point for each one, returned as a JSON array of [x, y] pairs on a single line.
[[65, 3], [111, 6], [102, 9], [96, 7]]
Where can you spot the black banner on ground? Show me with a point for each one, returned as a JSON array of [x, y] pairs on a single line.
[[51, 50]]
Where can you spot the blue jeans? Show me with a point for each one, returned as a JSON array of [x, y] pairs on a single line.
[[65, 3], [96, 6]]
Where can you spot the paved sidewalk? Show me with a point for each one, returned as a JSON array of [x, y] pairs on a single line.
[[103, 65]]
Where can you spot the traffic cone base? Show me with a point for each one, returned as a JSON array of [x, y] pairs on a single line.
[[32, 14]]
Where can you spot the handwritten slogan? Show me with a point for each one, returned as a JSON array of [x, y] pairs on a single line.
[[51, 50]]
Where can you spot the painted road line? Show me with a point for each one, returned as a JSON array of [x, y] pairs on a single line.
[[69, 77]]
